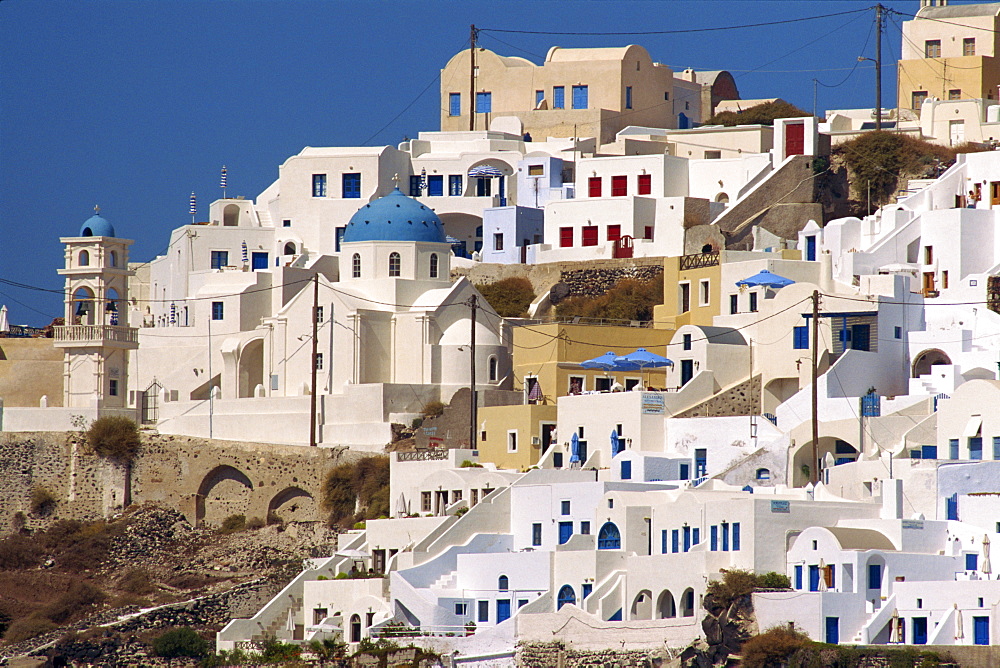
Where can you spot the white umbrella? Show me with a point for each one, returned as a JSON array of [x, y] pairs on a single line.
[[822, 575], [959, 626], [894, 628], [986, 567], [353, 554], [401, 506], [4, 325]]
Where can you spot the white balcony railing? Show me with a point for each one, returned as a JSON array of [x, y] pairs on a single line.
[[87, 333]]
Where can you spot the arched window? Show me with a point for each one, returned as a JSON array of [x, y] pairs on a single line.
[[394, 264], [566, 597], [84, 258], [687, 603], [763, 474], [434, 265], [493, 369], [503, 584], [609, 537], [667, 608], [356, 266], [113, 259], [355, 628], [290, 248]]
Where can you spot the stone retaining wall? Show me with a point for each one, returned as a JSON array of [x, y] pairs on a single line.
[[734, 401], [556, 655]]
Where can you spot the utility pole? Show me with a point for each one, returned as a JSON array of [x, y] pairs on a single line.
[[878, 66], [211, 388], [814, 467], [473, 405], [315, 341], [815, 85], [472, 77]]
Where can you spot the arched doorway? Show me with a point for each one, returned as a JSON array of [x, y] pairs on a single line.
[[355, 628], [666, 607], [231, 215], [464, 227], [292, 504], [923, 362], [609, 538], [642, 606], [224, 491], [687, 603], [289, 248], [566, 597], [251, 367]]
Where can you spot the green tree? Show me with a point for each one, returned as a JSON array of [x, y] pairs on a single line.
[[183, 641], [761, 114], [509, 297]]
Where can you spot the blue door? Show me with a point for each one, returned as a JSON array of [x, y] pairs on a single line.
[[503, 609], [981, 630], [833, 630], [814, 578], [919, 630], [687, 371], [874, 576], [798, 577], [258, 261], [565, 531], [811, 249], [682, 122]]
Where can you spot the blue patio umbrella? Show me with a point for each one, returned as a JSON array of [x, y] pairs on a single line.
[[574, 448], [616, 444], [766, 279], [642, 359], [609, 361]]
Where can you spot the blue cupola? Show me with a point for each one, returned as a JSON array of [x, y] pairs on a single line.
[[95, 226], [395, 217]]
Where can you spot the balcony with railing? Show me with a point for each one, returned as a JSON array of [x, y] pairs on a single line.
[[96, 334], [699, 260]]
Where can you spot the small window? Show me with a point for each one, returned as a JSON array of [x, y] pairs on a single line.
[[628, 97], [585, 528], [217, 311], [454, 104], [558, 97], [85, 258], [319, 314], [289, 248], [614, 232], [113, 388], [704, 292], [319, 361], [565, 237], [619, 186], [220, 259], [425, 502], [955, 94], [536, 170], [536, 534], [763, 474], [928, 254], [753, 302], [455, 185], [287, 222], [734, 304], [434, 265], [944, 280], [580, 97], [564, 508], [493, 369], [511, 441], [498, 241], [319, 185], [594, 186], [897, 332], [435, 185], [645, 184], [503, 583], [932, 48], [713, 155], [800, 338], [626, 470], [394, 265], [539, 96], [687, 342], [590, 235], [416, 185], [484, 611], [648, 232], [917, 98], [461, 609], [611, 503], [484, 103], [666, 95], [969, 46], [356, 266], [113, 259], [351, 183]]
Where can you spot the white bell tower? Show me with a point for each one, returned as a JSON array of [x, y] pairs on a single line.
[[96, 337]]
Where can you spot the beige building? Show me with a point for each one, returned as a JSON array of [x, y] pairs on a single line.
[[574, 93], [949, 52]]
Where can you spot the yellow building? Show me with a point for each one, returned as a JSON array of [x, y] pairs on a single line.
[[574, 93], [692, 291], [949, 52], [514, 437]]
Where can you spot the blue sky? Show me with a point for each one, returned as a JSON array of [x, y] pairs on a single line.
[[133, 105]]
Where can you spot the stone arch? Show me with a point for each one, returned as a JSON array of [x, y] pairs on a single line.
[[231, 215], [687, 603], [722, 198], [642, 605], [224, 491], [83, 305], [293, 504], [666, 607], [250, 365], [923, 362]]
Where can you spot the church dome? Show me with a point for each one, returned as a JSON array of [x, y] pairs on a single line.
[[395, 217], [95, 226]]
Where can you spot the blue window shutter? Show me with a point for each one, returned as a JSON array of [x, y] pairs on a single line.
[[725, 537], [484, 103], [874, 576], [953, 448], [801, 338], [976, 447], [713, 539], [539, 96], [455, 104], [697, 535], [996, 447], [663, 542], [626, 470], [971, 562], [951, 507], [558, 97], [675, 540], [580, 97], [435, 185], [736, 536], [798, 576], [351, 185], [687, 538], [628, 97]]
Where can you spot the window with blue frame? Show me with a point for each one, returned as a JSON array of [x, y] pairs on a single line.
[[976, 447], [565, 532], [461, 609], [415, 185], [951, 507], [687, 342], [564, 508], [928, 452], [736, 536], [971, 562], [628, 97], [696, 536], [319, 185], [455, 185], [798, 576], [484, 103], [435, 185], [952, 448], [566, 596], [454, 104], [558, 97], [663, 541], [609, 538], [258, 261], [675, 541], [580, 97], [700, 462], [484, 611], [713, 538], [539, 96], [874, 576], [685, 472], [217, 311], [687, 538], [725, 536], [800, 340], [536, 534], [586, 590], [351, 185], [626, 470], [220, 259], [996, 447]]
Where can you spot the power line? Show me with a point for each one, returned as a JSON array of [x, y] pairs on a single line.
[[674, 32]]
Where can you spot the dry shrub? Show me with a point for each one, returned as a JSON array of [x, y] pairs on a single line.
[[509, 297], [81, 596], [18, 551], [135, 581], [255, 523], [761, 114], [233, 524], [28, 627], [42, 501], [433, 409], [114, 437], [363, 484], [630, 299], [188, 581], [772, 648]]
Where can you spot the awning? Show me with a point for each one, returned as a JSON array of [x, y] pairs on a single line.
[[485, 171], [973, 427]]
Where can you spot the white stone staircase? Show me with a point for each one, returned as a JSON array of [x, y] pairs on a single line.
[[446, 581], [876, 622], [264, 217]]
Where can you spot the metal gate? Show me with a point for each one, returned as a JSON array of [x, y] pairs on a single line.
[[151, 403]]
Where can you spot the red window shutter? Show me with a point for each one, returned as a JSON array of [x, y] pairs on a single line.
[[795, 140], [590, 235], [645, 184], [594, 184], [565, 237], [614, 232], [649, 232], [619, 186]]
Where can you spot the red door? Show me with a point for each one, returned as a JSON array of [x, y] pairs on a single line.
[[623, 247], [795, 139]]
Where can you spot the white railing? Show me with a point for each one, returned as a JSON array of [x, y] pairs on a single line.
[[117, 333]]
